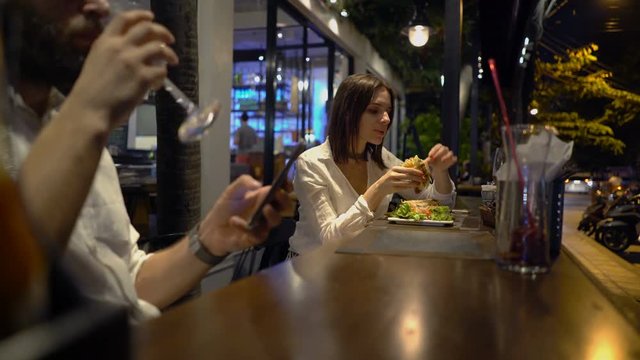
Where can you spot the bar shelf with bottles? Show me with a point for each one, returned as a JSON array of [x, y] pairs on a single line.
[[249, 94]]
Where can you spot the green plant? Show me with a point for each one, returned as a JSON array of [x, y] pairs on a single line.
[[464, 152], [428, 127], [381, 21], [575, 97]]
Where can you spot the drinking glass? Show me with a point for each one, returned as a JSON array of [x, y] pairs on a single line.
[[197, 120], [498, 160], [522, 216]]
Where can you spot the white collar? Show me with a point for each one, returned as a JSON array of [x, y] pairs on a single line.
[[56, 98], [324, 151]]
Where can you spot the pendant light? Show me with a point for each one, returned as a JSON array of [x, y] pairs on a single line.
[[418, 29]]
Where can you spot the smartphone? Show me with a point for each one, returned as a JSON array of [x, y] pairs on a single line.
[[277, 184]]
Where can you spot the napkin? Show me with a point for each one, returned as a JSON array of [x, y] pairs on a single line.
[[540, 156]]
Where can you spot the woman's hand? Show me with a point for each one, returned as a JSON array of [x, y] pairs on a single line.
[[440, 158], [399, 178], [396, 179]]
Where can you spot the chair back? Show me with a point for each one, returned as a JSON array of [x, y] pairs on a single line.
[[274, 251]]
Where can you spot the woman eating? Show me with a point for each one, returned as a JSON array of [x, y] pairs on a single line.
[[346, 182]]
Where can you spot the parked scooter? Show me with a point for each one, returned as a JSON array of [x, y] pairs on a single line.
[[592, 215], [621, 227], [599, 210]]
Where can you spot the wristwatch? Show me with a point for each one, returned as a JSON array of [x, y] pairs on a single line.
[[200, 251]]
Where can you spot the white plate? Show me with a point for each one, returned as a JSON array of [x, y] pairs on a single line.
[[395, 220]]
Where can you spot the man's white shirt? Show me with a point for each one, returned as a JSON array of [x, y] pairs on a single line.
[[102, 255]]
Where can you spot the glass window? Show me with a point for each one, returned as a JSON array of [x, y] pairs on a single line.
[[342, 68], [317, 94], [290, 111], [290, 32], [313, 38], [303, 76], [248, 90], [250, 39]]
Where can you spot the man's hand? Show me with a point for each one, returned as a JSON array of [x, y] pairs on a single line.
[[224, 229], [124, 63]]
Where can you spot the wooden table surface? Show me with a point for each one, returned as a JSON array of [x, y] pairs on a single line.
[[326, 305]]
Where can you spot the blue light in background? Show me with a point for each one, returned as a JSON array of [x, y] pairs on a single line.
[[251, 99], [318, 104]]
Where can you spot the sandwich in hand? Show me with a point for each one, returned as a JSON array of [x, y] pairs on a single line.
[[417, 163]]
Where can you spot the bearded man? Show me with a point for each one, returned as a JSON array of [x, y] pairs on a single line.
[[67, 179]]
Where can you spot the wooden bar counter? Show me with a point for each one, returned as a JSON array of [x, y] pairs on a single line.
[[328, 305]]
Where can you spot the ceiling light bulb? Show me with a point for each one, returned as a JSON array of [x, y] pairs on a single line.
[[418, 35]]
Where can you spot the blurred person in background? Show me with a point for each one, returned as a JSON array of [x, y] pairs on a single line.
[[68, 181], [245, 138], [615, 184]]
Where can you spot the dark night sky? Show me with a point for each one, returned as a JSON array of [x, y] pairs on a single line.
[[612, 24]]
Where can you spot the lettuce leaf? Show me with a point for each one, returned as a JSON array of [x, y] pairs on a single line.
[[403, 211], [441, 213], [438, 213]]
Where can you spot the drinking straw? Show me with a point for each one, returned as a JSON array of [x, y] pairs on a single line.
[[507, 123]]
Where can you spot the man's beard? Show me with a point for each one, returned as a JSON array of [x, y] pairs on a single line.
[[45, 56]]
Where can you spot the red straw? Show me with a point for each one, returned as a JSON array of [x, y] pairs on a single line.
[[505, 118]]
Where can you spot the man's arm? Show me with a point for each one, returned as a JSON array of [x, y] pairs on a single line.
[[169, 274], [58, 172], [54, 191]]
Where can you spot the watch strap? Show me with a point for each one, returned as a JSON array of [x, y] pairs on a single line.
[[198, 249]]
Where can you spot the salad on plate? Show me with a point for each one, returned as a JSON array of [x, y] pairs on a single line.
[[418, 210]]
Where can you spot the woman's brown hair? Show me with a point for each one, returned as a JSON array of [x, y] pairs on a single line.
[[351, 100]]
